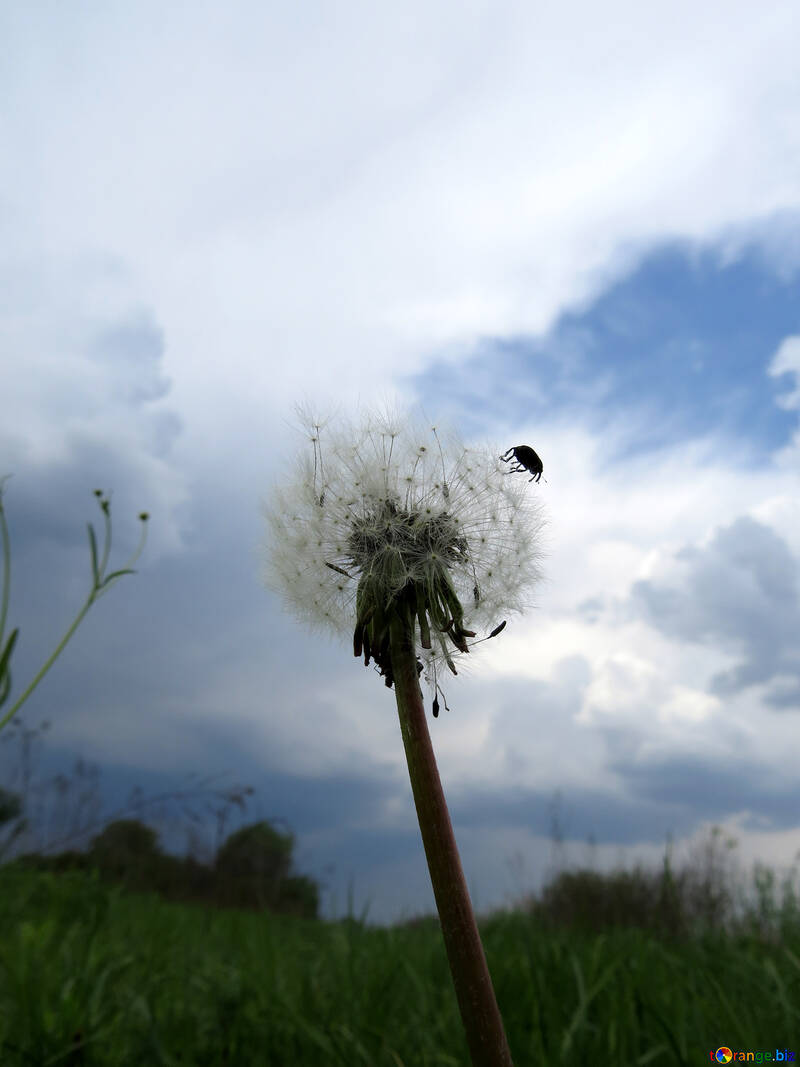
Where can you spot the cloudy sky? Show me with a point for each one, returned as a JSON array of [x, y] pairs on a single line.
[[574, 226]]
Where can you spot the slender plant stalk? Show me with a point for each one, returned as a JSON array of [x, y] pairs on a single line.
[[101, 582], [480, 1015]]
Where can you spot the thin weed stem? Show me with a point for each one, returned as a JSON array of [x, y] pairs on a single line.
[[100, 584]]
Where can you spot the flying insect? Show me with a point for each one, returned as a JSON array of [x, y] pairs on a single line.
[[525, 459]]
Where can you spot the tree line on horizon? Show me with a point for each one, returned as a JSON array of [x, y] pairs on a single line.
[[252, 870]]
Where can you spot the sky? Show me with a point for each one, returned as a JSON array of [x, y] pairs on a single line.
[[572, 226]]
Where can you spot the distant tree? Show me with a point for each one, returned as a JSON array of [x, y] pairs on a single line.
[[299, 896], [11, 809], [10, 806], [126, 850], [253, 870], [258, 850]]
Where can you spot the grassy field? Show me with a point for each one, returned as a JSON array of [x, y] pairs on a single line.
[[626, 967], [92, 975]]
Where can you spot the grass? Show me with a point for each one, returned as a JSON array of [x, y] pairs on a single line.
[[625, 967], [90, 974]]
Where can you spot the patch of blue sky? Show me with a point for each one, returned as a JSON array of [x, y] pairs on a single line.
[[680, 347]]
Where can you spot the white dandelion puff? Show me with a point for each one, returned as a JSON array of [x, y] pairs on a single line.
[[390, 514]]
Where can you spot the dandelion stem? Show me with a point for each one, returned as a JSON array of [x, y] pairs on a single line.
[[480, 1015]]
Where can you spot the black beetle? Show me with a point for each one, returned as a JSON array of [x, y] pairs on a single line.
[[526, 460]]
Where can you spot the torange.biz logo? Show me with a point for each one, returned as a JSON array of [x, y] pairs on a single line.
[[727, 1055]]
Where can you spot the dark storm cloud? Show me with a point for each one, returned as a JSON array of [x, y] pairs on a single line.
[[674, 795], [710, 790], [784, 694], [739, 592], [52, 503], [87, 406], [134, 350], [605, 816], [195, 813]]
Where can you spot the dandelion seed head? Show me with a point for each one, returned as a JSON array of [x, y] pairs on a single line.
[[376, 508]]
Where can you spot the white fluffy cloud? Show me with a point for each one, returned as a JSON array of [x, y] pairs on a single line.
[[296, 192], [787, 361]]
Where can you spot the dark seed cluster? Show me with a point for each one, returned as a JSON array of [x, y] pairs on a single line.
[[403, 560]]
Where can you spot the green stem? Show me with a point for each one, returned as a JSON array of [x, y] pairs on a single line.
[[480, 1015], [46, 666], [6, 566], [100, 584]]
